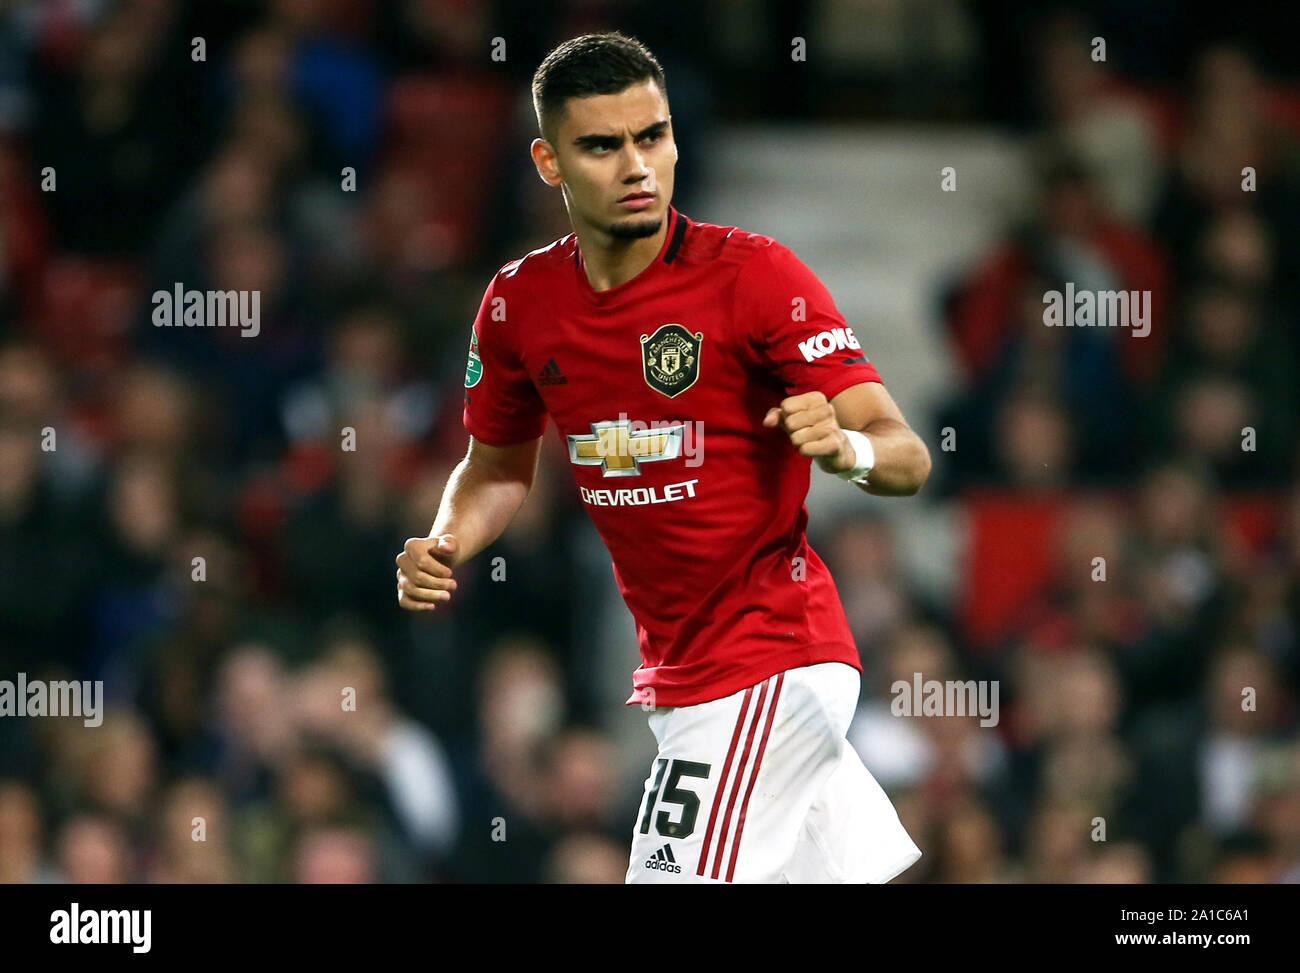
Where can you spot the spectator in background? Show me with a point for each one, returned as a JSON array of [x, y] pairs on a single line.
[[47, 570], [580, 785], [1092, 600], [34, 396], [1230, 130], [334, 856], [109, 128], [117, 772], [970, 851], [1026, 377], [93, 850], [1069, 237], [1179, 572], [342, 699], [21, 833], [587, 859], [502, 774], [1120, 863], [1058, 842], [367, 364], [178, 682], [154, 414], [1243, 858], [145, 513], [336, 82], [315, 791], [335, 534], [1084, 759], [1034, 443], [1277, 812], [192, 836], [862, 553], [1237, 246], [1246, 710], [1227, 395], [253, 727], [1089, 111]]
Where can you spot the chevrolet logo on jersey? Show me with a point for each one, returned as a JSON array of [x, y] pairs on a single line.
[[619, 450]]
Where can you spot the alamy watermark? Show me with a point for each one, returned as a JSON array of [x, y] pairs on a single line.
[[658, 438], [77, 926], [953, 697], [1098, 309], [38, 697], [179, 308]]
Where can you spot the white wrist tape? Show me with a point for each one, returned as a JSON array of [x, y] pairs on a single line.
[[865, 457]]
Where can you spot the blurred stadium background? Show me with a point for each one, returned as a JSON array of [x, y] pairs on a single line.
[[1119, 699]]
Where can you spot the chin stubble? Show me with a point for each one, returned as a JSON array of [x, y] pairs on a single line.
[[634, 231]]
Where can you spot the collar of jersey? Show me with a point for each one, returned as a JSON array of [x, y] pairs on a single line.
[[672, 243]]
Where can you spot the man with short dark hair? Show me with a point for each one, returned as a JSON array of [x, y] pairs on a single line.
[[694, 371]]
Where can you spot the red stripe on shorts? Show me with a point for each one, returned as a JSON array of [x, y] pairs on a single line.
[[740, 775], [717, 795], [758, 762]]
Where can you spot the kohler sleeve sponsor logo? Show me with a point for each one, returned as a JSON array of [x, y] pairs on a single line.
[[826, 342]]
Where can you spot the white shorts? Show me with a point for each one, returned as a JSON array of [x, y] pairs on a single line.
[[761, 786]]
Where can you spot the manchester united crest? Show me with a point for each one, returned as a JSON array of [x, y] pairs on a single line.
[[670, 359]]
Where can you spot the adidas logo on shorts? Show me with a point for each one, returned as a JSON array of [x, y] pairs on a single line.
[[663, 860]]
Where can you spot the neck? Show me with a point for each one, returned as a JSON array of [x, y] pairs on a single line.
[[609, 261]]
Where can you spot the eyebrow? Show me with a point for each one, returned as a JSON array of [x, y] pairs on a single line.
[[592, 141]]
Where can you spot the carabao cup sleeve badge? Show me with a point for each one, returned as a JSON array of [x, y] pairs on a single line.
[[473, 367], [670, 359]]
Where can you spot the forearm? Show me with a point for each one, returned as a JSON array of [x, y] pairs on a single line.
[[477, 506], [902, 460]]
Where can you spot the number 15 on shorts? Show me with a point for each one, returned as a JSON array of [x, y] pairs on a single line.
[[668, 790]]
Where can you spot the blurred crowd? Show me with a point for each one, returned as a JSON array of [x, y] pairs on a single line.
[[208, 522]]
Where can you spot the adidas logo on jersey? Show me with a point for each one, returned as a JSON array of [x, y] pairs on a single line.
[[551, 374], [824, 342], [663, 861]]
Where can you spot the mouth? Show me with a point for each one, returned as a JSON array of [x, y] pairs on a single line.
[[637, 200]]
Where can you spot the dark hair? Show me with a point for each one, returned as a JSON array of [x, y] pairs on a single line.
[[593, 64]]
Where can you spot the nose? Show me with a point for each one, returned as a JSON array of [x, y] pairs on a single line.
[[635, 165]]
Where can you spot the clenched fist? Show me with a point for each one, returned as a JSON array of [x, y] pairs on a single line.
[[424, 572], [810, 422]]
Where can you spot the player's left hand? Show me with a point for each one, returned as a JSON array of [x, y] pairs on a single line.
[[810, 422]]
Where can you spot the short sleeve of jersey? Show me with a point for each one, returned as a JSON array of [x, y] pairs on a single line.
[[502, 406], [795, 330]]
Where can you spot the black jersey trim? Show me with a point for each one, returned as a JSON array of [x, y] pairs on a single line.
[[679, 233]]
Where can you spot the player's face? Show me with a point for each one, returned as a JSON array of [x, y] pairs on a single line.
[[614, 155]]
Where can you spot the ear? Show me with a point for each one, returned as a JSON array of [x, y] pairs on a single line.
[[545, 161]]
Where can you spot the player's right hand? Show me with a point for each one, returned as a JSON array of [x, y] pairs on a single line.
[[424, 572]]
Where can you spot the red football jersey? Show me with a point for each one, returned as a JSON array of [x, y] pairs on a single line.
[[659, 387]]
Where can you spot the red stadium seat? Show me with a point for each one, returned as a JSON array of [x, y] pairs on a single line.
[[1009, 558], [1012, 543]]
